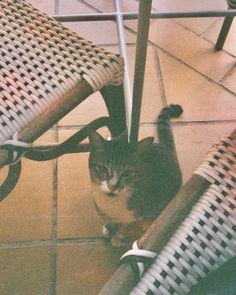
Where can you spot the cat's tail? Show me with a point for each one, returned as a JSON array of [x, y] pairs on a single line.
[[164, 126]]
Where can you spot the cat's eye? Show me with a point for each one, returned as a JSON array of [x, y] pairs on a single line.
[[102, 171], [127, 173]]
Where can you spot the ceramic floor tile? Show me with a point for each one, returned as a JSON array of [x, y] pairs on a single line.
[[198, 139], [73, 7], [191, 49], [173, 5], [102, 5], [77, 216], [102, 32], [84, 269], [94, 31], [229, 81], [44, 6], [90, 109], [197, 25], [26, 212], [25, 271], [201, 99], [152, 101], [230, 43]]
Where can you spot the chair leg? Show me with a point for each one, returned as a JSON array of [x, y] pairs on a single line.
[[224, 32], [11, 180], [115, 103]]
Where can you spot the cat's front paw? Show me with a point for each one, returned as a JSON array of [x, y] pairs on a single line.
[[109, 230]]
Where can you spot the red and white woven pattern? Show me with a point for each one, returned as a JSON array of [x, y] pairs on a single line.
[[41, 61], [207, 237]]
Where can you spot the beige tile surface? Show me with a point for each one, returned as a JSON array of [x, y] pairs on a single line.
[[90, 109], [25, 271], [102, 5], [198, 139], [201, 99], [26, 212], [102, 32], [230, 43], [44, 6], [191, 49], [83, 269], [197, 25], [229, 80], [77, 216]]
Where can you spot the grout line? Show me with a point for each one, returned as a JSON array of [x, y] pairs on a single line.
[[203, 34], [54, 233], [196, 71], [80, 240], [228, 74], [53, 285], [25, 244], [49, 243], [189, 123], [159, 76], [89, 5], [173, 122]]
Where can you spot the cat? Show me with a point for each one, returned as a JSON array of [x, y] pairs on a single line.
[[132, 183]]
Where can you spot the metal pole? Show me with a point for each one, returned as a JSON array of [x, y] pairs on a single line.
[[123, 52], [153, 15], [145, 7]]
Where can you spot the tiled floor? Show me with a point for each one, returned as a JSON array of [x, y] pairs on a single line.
[[50, 237]]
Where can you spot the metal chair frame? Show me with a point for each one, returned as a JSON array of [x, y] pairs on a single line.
[[133, 98]]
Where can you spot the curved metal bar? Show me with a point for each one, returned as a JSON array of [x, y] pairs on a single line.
[[11, 180], [52, 153]]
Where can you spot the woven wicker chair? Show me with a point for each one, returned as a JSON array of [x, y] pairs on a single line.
[[46, 70], [225, 27], [193, 237]]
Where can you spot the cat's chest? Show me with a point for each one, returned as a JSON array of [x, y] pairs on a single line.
[[113, 209]]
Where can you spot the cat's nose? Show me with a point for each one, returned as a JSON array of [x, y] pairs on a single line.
[[113, 183]]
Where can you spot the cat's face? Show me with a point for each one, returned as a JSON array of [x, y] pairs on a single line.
[[114, 165]]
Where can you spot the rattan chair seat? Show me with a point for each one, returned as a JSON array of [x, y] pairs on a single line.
[[43, 63]]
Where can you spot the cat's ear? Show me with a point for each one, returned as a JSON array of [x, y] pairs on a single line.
[[145, 144], [97, 142]]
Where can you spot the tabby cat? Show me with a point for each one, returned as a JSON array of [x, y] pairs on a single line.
[[132, 183]]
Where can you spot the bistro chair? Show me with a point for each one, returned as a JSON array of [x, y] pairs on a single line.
[[46, 70]]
